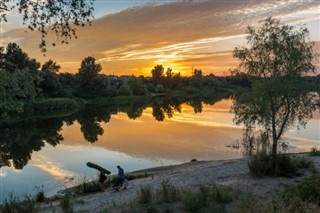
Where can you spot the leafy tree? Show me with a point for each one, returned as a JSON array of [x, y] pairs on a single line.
[[278, 56], [50, 85], [16, 89], [157, 73], [89, 80], [50, 66], [60, 17], [276, 50], [136, 85], [16, 59], [197, 72]]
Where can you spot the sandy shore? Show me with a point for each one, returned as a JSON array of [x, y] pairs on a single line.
[[233, 173]]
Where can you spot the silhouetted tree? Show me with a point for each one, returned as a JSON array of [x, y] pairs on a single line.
[[60, 17]]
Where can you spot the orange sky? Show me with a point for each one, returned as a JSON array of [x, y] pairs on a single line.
[[181, 35]]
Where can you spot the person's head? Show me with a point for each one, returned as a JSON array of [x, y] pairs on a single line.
[[118, 167]]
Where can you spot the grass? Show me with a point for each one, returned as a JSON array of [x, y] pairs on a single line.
[[66, 203], [261, 165], [15, 205]]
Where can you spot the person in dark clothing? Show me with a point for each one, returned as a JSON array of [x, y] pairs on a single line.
[[123, 181], [102, 178]]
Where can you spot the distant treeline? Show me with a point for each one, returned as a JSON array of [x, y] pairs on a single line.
[[26, 85]]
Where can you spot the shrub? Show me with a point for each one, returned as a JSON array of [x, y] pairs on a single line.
[[222, 194], [145, 195], [193, 201], [66, 204], [261, 165], [307, 190], [168, 192], [53, 104], [14, 205]]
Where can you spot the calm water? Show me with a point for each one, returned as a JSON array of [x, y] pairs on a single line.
[[50, 152]]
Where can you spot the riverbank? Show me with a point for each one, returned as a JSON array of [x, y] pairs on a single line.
[[231, 173]]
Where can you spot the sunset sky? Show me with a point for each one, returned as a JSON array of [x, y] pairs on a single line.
[[131, 37]]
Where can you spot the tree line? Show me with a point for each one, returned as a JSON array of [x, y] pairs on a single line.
[[24, 82]]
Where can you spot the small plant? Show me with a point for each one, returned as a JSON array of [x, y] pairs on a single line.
[[168, 192], [222, 194], [145, 195], [40, 197], [307, 190], [314, 152], [192, 201], [13, 205], [66, 204]]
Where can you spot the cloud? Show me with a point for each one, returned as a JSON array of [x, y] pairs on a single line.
[[2, 173], [172, 34], [53, 169]]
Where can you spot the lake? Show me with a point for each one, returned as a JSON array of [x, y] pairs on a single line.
[[53, 152]]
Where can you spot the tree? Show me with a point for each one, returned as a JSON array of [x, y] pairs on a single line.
[[88, 76], [157, 73], [278, 56], [50, 66], [276, 50], [15, 58], [58, 16], [50, 85]]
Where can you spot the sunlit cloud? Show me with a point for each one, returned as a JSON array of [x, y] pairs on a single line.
[[53, 169], [176, 34], [2, 173]]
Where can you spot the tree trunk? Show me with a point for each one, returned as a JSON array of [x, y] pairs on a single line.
[[274, 156]]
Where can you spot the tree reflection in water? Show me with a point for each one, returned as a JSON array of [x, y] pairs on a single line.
[[19, 139]]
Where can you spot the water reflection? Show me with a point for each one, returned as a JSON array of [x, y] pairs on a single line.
[[18, 140]]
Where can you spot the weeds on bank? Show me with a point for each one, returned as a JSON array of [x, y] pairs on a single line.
[[15, 205], [66, 203], [168, 198], [314, 152], [261, 165]]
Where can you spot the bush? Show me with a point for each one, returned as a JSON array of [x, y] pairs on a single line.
[[145, 195], [314, 152], [261, 165], [168, 192], [53, 104], [66, 204], [307, 190], [14, 205]]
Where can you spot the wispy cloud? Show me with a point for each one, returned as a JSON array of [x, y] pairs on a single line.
[[180, 34], [53, 169]]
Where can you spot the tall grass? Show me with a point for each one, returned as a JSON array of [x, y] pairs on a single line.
[[66, 203], [15, 205]]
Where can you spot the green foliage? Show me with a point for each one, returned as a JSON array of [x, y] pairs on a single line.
[[66, 203], [159, 88], [136, 85], [277, 57], [125, 90], [86, 186], [260, 165], [145, 195], [157, 73], [207, 199], [314, 152], [56, 104], [16, 89], [168, 192], [89, 81], [14, 205], [307, 190]]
